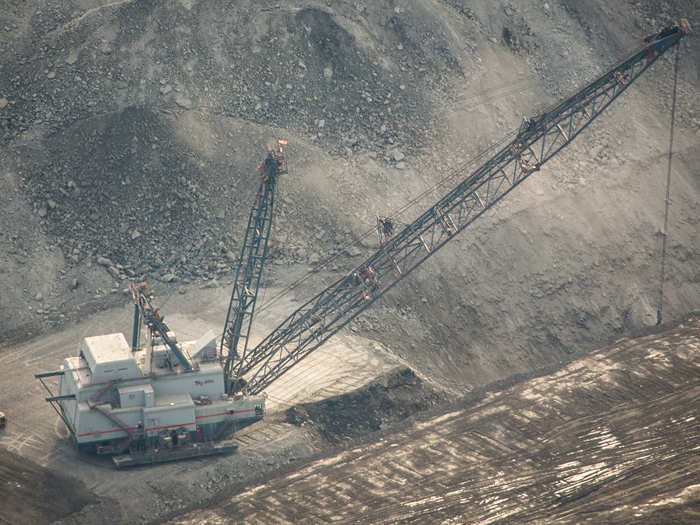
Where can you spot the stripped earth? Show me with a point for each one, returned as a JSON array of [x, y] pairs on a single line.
[[611, 438]]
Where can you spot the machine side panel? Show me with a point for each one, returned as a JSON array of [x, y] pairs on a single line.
[[169, 413], [208, 381], [92, 426]]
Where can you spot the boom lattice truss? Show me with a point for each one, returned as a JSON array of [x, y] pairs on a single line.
[[538, 140], [241, 309]]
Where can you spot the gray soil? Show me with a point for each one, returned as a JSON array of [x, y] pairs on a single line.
[[133, 156], [32, 494], [610, 438], [130, 133]]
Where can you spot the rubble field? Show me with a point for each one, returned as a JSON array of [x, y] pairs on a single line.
[[130, 135]]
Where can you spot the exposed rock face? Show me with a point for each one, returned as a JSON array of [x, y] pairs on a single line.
[[139, 139]]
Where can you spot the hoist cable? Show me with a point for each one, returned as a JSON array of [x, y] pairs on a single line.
[[667, 201]]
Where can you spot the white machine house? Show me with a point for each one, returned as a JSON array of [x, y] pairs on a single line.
[[164, 401]]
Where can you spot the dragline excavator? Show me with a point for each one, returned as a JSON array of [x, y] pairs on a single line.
[[167, 400]]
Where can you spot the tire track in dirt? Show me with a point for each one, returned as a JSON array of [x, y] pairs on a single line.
[[610, 438]]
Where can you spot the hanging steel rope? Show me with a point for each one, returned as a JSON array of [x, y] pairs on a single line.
[[667, 201]]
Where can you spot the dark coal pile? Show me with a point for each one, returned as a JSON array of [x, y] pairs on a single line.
[[385, 401]]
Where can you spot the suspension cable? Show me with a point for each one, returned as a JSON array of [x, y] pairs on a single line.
[[667, 202]]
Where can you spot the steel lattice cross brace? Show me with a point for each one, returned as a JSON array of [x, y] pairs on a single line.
[[145, 310], [538, 140], [234, 342]]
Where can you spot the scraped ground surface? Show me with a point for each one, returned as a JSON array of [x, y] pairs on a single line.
[[611, 438]]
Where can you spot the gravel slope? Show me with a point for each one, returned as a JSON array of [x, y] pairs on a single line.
[[132, 155]]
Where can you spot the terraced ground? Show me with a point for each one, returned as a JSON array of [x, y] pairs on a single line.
[[611, 438]]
